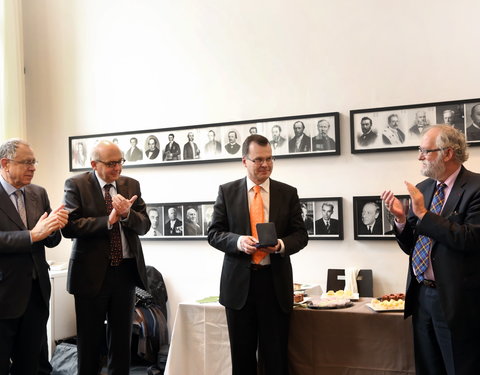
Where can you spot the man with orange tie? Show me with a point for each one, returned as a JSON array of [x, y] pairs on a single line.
[[256, 285]]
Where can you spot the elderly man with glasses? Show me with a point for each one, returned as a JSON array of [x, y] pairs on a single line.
[[27, 225], [107, 216], [441, 235]]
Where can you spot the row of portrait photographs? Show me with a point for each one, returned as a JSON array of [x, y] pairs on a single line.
[[306, 135], [372, 219], [323, 218], [403, 127], [179, 220]]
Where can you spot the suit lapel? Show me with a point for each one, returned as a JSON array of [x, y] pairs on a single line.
[[242, 204], [275, 199], [428, 193], [8, 207], [32, 206], [99, 200], [455, 194]]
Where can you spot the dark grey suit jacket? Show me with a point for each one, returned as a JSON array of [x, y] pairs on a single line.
[[87, 225], [456, 251], [18, 256], [231, 219]]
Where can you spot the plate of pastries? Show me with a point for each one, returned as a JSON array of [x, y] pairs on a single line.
[[388, 303], [341, 294]]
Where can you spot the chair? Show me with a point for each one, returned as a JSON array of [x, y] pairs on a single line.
[[336, 281]]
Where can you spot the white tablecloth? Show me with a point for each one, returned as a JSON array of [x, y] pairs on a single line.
[[199, 344]]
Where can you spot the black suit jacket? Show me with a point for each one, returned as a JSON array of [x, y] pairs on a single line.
[[231, 219], [189, 153], [321, 228], [176, 230], [305, 144], [18, 256], [134, 155], [87, 225], [455, 253], [377, 227]]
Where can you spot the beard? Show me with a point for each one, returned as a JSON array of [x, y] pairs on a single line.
[[433, 169]]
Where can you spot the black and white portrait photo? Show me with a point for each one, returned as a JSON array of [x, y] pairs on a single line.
[[173, 221]]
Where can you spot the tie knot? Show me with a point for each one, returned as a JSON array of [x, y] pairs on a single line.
[[19, 193], [441, 186], [257, 189], [107, 187]]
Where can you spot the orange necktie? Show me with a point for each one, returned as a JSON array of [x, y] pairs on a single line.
[[257, 216]]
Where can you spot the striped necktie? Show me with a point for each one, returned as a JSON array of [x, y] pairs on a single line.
[[423, 246]]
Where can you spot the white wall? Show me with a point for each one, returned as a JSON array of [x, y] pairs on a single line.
[[96, 66]]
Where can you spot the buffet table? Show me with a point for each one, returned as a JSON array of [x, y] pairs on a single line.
[[353, 341]]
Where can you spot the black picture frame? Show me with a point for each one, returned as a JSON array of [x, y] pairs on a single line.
[[314, 210], [399, 127], [376, 216], [191, 220], [214, 142], [181, 230]]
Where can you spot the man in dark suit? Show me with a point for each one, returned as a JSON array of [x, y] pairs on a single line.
[[190, 149], [133, 153], [174, 226], [191, 225], [232, 147], [322, 142], [421, 124], [473, 131], [172, 149], [256, 286], [27, 225], [371, 219], [369, 135], [443, 286], [107, 214], [152, 150], [300, 141], [327, 225]]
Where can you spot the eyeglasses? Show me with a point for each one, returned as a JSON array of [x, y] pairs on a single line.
[[425, 152], [260, 161], [112, 164], [25, 163]]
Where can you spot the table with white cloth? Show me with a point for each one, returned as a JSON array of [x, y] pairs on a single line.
[[354, 341]]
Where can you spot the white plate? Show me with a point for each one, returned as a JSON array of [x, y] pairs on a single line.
[[354, 297], [369, 305]]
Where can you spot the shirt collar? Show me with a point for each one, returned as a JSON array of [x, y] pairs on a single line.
[[451, 179], [265, 185], [103, 183], [9, 189]]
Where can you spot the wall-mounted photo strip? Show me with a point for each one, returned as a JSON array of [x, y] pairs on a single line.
[[323, 218], [372, 221], [401, 127], [304, 135], [179, 220]]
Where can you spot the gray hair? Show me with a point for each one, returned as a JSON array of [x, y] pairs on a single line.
[[8, 149], [449, 137]]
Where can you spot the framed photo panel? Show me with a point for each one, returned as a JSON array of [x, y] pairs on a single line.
[[294, 136], [179, 220], [372, 221], [189, 221], [323, 218], [401, 127]]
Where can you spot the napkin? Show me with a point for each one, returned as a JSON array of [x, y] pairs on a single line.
[[208, 299], [351, 275]]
